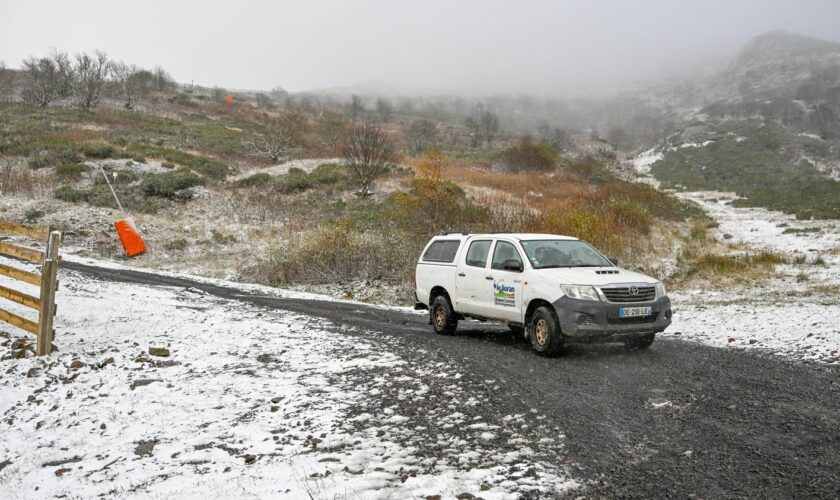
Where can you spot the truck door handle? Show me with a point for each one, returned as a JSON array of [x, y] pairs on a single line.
[[461, 275], [488, 277]]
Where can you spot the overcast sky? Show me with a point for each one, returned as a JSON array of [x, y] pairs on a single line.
[[479, 46]]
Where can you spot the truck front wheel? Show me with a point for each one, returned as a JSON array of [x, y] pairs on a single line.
[[544, 332], [442, 316]]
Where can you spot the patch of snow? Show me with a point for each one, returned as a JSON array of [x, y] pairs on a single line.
[[810, 136], [250, 402], [788, 316], [643, 161], [306, 165]]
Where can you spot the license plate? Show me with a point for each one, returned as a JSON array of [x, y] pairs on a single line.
[[634, 312]]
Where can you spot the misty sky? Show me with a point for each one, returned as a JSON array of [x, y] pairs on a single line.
[[470, 46]]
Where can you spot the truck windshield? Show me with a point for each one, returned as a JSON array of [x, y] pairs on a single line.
[[563, 253]]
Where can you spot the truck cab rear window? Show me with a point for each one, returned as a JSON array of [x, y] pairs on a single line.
[[442, 251]]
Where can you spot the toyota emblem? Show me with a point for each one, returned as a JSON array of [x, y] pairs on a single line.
[[634, 290]]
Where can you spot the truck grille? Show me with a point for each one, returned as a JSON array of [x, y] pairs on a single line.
[[624, 295]]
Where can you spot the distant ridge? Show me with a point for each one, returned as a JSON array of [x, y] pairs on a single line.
[[778, 44]]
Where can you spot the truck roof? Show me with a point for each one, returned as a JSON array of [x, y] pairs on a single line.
[[518, 236]]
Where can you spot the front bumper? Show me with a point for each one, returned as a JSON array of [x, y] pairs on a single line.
[[598, 321]]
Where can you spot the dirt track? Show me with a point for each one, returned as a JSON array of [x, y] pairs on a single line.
[[678, 419]]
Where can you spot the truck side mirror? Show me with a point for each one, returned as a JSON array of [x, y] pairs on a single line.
[[614, 261], [512, 265]]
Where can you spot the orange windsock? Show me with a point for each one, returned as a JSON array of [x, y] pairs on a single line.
[[228, 100], [130, 237]]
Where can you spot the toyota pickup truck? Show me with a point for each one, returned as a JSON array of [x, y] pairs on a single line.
[[551, 289]]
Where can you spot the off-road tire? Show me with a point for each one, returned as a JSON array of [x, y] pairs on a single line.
[[443, 318], [641, 342], [544, 332]]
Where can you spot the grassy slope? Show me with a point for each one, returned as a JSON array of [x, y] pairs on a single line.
[[760, 168]]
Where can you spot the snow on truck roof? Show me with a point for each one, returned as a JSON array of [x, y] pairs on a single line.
[[518, 236]]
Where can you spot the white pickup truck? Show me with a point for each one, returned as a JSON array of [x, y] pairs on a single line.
[[552, 289]]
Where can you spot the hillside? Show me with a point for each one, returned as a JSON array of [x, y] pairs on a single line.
[[767, 127], [183, 162]]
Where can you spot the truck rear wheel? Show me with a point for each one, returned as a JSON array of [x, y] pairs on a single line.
[[544, 332], [442, 316]]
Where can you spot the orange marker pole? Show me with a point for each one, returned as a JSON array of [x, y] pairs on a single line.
[[126, 228]]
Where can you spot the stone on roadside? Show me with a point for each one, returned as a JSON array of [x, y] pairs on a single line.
[[159, 351]]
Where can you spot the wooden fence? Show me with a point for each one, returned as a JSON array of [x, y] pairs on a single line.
[[46, 280]]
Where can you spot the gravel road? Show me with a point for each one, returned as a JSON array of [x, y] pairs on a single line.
[[680, 419]]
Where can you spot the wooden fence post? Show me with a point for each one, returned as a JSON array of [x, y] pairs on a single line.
[[48, 281]]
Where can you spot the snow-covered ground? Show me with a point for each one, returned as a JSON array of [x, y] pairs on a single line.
[[795, 313], [249, 402], [306, 165]]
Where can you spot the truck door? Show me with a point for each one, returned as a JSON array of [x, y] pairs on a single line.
[[503, 288], [470, 280]]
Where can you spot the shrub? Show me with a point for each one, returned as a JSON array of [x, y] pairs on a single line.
[[178, 245], [170, 184], [590, 170], [714, 265], [222, 238], [260, 179], [69, 194], [33, 215], [339, 252], [631, 213], [528, 155], [295, 180], [54, 158], [99, 151], [208, 167], [71, 170]]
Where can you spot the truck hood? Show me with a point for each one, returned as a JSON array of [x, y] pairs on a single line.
[[591, 276]]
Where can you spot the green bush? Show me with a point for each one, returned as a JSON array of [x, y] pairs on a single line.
[[69, 194], [71, 170], [208, 167], [260, 179], [33, 215], [170, 185], [528, 155], [54, 158], [294, 180], [177, 245], [590, 170], [98, 151], [297, 180]]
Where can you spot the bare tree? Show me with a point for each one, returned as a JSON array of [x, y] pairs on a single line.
[[420, 134], [64, 70], [357, 107], [263, 101], [162, 80], [126, 76], [7, 82], [333, 129], [368, 154], [384, 109], [41, 80], [278, 142], [90, 75], [483, 126]]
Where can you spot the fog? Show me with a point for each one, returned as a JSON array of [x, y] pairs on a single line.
[[469, 47]]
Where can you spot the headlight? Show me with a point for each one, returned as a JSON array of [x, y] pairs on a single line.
[[580, 292], [660, 290]]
